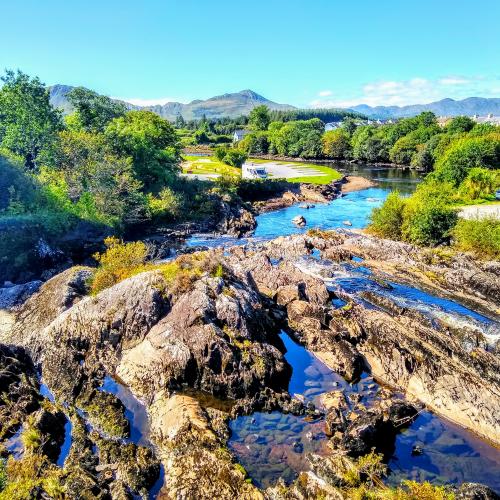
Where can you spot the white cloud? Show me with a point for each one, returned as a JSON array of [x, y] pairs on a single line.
[[414, 91], [454, 80], [325, 93], [148, 102]]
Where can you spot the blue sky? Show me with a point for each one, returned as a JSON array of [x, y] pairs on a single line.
[[302, 52]]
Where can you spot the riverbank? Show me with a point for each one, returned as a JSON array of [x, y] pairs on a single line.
[[333, 161], [218, 334]]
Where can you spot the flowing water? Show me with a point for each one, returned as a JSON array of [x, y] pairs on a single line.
[[273, 445]]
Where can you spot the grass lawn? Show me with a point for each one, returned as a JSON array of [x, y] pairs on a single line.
[[329, 174], [207, 165]]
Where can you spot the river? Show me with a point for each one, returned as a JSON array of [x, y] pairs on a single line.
[[273, 445]]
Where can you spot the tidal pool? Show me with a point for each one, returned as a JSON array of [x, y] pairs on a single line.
[[274, 445]]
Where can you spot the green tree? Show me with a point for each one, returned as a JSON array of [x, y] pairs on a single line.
[[94, 111], [349, 125], [259, 118], [92, 182], [480, 183], [406, 146], [467, 153], [235, 158], [152, 144], [255, 143], [336, 144], [368, 144], [180, 122], [28, 123], [460, 124], [299, 139]]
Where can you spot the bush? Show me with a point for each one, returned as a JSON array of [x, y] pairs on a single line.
[[235, 158], [480, 236], [230, 156], [118, 262], [428, 222], [480, 183], [387, 221], [166, 205]]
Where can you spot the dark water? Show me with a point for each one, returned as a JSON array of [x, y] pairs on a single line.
[[66, 446], [274, 445], [135, 411]]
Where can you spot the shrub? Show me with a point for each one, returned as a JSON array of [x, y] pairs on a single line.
[[387, 220], [467, 153], [118, 262], [428, 222], [235, 158], [480, 236], [32, 477], [123, 260], [230, 156], [479, 183], [166, 205]]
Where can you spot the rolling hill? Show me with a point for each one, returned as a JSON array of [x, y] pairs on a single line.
[[446, 107], [226, 105]]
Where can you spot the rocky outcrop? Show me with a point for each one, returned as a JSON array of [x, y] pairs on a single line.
[[296, 193], [18, 389], [213, 334], [50, 300], [197, 465], [446, 368]]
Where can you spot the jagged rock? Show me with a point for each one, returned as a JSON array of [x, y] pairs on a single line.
[[50, 424], [49, 301], [196, 466], [345, 359], [15, 295], [336, 406], [18, 388], [377, 429], [475, 491], [299, 220]]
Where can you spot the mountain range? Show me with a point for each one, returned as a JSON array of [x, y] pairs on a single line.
[[226, 105], [241, 103], [446, 107]]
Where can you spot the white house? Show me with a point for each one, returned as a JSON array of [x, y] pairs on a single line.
[[239, 134]]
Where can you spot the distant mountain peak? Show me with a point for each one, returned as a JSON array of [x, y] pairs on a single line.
[[445, 107], [225, 105]]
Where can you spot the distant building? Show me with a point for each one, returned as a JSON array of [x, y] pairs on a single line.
[[489, 118], [239, 134]]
